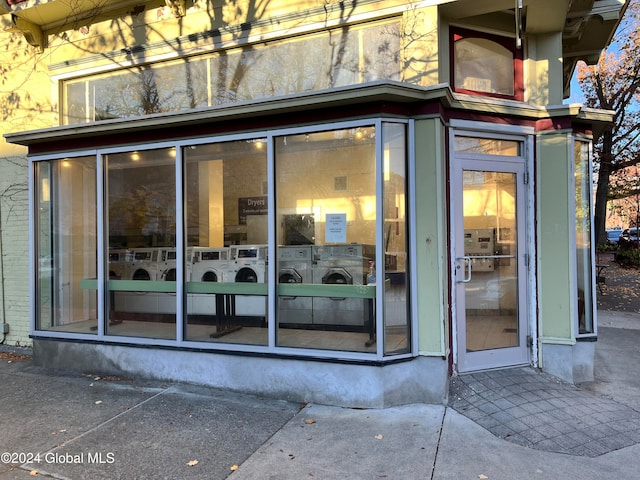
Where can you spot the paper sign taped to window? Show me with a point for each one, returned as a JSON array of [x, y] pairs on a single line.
[[335, 228]]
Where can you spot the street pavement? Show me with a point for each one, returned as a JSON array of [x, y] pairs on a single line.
[[505, 424]]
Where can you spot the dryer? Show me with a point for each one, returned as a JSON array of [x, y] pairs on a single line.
[[295, 266], [340, 265], [248, 264], [209, 265]]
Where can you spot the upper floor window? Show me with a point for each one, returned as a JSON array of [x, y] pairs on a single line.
[[334, 58], [485, 64]]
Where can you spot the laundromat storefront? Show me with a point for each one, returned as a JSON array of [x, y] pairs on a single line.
[[290, 241]]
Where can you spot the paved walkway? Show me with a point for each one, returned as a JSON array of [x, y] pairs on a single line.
[[499, 425], [535, 410], [527, 407]]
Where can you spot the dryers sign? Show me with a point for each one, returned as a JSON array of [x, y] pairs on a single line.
[[251, 206]]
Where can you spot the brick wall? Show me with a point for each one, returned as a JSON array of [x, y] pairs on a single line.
[[26, 103], [14, 224]]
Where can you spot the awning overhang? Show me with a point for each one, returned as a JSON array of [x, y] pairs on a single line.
[[411, 98]]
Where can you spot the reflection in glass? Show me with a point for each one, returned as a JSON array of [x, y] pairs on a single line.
[[144, 90], [491, 296], [66, 246], [487, 146], [583, 237], [141, 229], [396, 317], [340, 57], [327, 222], [483, 66], [227, 235], [326, 214]]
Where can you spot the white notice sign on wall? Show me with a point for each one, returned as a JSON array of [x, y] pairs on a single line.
[[335, 228]]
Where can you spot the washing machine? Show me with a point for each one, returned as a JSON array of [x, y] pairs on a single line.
[[167, 271], [340, 265], [141, 264], [248, 264], [295, 266], [117, 264], [208, 265], [167, 265], [116, 270]]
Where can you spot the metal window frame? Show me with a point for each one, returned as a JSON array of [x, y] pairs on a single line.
[[271, 348]]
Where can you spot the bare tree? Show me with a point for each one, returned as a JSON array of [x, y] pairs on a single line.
[[614, 84]]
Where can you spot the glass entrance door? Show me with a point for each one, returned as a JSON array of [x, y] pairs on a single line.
[[489, 266]]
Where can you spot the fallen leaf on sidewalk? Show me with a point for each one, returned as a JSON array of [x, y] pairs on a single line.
[[309, 421], [12, 356], [192, 463], [33, 473], [233, 468]]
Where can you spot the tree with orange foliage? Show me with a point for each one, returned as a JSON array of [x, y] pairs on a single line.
[[614, 84]]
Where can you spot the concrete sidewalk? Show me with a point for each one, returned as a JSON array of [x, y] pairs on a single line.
[[66, 425]]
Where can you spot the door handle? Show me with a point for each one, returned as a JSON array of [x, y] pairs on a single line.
[[467, 266]]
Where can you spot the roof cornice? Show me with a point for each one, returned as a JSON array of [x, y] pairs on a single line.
[[369, 93]]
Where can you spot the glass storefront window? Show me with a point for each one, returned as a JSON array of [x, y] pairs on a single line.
[[327, 219], [227, 234], [396, 287], [340, 244], [66, 260], [141, 232], [326, 214], [339, 57], [584, 263]]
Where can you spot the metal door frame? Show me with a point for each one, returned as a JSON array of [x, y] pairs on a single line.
[[519, 165]]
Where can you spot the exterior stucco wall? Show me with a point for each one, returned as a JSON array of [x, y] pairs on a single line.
[[554, 218], [543, 69], [431, 237], [560, 354], [110, 44], [420, 380]]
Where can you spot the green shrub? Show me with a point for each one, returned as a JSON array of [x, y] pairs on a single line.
[[628, 257], [606, 248]]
